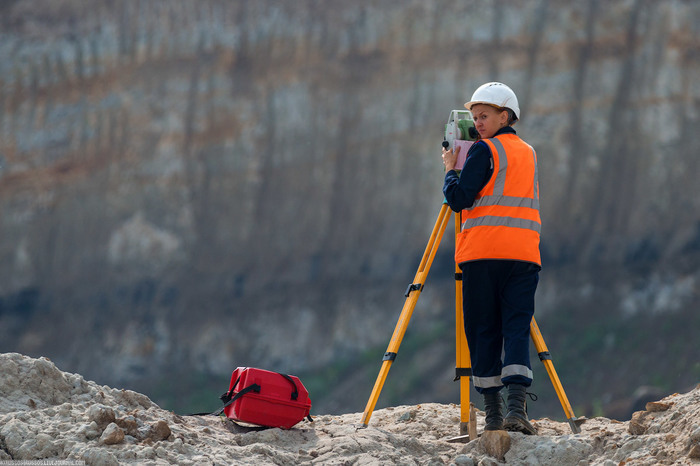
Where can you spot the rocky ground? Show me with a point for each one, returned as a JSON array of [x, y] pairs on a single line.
[[49, 414]]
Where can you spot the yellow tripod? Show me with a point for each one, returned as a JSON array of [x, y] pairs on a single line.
[[463, 361]]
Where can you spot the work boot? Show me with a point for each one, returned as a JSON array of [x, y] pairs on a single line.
[[516, 419], [493, 405]]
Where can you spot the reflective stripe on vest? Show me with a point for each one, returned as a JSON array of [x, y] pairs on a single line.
[[497, 198], [494, 221]]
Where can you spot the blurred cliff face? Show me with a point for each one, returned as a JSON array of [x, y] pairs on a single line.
[[202, 181]]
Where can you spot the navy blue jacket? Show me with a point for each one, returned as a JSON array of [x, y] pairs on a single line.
[[461, 190]]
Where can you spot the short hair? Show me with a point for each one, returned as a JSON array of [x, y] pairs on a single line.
[[511, 116]]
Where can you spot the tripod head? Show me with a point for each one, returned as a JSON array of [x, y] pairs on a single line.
[[460, 132]]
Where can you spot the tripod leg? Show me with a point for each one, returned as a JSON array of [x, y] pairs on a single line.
[[412, 295], [463, 370], [546, 359]]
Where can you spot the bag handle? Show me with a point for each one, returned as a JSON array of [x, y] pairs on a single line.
[[295, 391]]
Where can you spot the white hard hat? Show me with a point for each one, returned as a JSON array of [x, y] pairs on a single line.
[[497, 94]]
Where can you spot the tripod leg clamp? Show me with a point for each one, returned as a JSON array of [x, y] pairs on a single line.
[[389, 356], [413, 287], [462, 372]]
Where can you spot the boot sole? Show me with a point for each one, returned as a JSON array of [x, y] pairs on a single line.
[[499, 427], [518, 425]]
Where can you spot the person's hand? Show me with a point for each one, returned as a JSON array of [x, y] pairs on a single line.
[[449, 158]]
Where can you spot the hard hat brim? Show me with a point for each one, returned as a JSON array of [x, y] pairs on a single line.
[[471, 103]]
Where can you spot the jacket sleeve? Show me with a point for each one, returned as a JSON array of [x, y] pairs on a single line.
[[461, 190]]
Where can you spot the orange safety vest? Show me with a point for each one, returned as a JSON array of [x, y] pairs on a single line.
[[504, 221]]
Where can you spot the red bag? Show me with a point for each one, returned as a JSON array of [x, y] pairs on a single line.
[[266, 398]]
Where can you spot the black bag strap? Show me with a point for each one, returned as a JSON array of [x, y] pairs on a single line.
[[294, 396], [228, 398], [227, 395], [250, 388]]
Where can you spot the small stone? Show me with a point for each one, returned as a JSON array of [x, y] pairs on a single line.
[[694, 452], [159, 431], [496, 443], [637, 425], [464, 460], [695, 436], [129, 424], [657, 406], [64, 410], [101, 414], [100, 456], [112, 435], [90, 431], [44, 446], [486, 461]]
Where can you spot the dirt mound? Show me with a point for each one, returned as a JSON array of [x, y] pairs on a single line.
[[49, 414]]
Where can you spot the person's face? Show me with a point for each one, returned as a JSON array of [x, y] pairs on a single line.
[[488, 119]]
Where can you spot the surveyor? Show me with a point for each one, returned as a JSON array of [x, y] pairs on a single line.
[[498, 252]]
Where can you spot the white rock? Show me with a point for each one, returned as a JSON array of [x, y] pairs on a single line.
[[15, 433], [100, 456], [69, 429], [695, 436], [44, 446], [464, 460]]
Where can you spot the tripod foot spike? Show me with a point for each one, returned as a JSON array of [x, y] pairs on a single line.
[[575, 424], [463, 428]]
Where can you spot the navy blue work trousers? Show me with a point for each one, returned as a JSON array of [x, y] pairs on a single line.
[[499, 302]]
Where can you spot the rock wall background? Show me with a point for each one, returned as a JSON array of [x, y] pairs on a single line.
[[190, 187]]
